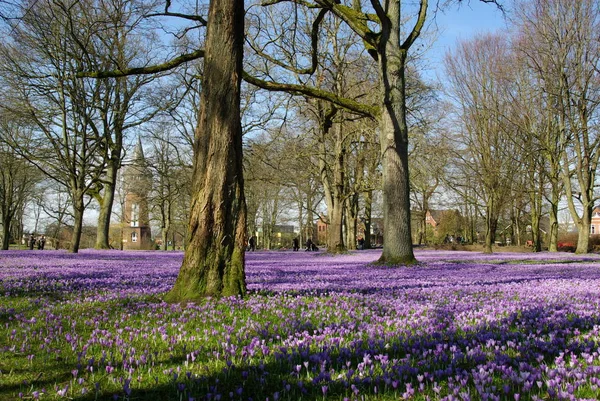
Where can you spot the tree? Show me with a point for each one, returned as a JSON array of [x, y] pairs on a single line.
[[18, 179], [39, 66], [390, 51], [429, 157], [100, 35], [116, 43], [535, 130], [266, 175], [480, 85], [213, 263], [561, 51], [171, 181]]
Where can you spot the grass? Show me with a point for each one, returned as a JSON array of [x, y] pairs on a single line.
[[429, 332]]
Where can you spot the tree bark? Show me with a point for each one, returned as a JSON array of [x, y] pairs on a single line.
[[351, 214], [536, 213], [106, 205], [310, 223], [583, 227], [78, 209], [6, 226], [397, 249], [214, 257], [332, 186], [553, 222], [367, 222], [490, 231]]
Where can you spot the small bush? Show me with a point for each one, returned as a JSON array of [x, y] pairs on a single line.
[[566, 247]]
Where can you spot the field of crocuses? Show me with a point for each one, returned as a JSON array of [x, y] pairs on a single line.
[[458, 326]]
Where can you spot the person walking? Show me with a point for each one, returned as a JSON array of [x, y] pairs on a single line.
[[31, 241], [252, 243], [295, 244], [42, 242]]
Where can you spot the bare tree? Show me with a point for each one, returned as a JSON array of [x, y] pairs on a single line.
[[562, 51], [18, 179], [126, 102], [430, 153], [39, 67], [171, 180], [391, 52], [479, 83]]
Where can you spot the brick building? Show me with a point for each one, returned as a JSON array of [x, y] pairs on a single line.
[[137, 181]]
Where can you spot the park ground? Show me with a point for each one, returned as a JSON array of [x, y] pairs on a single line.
[[456, 326]]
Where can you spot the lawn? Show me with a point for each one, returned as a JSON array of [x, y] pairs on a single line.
[[458, 326]]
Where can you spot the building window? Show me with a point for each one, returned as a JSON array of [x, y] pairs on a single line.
[[135, 215], [593, 229], [133, 237]]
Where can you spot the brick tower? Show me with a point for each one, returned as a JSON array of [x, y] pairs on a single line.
[[137, 182]]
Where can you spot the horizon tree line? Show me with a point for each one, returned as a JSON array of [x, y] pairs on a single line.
[[358, 92]]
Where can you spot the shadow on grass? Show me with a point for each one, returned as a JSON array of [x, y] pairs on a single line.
[[448, 356]]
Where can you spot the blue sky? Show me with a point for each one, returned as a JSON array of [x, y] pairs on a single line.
[[462, 22]]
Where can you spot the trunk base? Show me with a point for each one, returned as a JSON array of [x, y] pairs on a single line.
[[400, 261]]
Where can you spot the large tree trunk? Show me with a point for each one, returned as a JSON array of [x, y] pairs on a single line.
[[6, 226], [78, 209], [106, 205], [110, 186], [583, 228], [332, 186], [335, 237], [585, 178], [213, 263], [397, 249], [553, 222], [536, 211], [490, 233], [491, 222], [367, 222], [351, 215], [536, 199]]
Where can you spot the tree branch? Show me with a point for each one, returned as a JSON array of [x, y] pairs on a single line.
[[168, 65], [348, 104], [168, 13], [356, 20], [314, 49], [416, 31]]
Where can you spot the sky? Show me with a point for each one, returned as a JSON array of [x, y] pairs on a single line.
[[456, 23]]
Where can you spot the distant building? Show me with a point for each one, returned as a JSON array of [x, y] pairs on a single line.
[[137, 181], [595, 225], [434, 217], [321, 230]]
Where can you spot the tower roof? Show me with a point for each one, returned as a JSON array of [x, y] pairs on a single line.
[[137, 176], [138, 153]]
